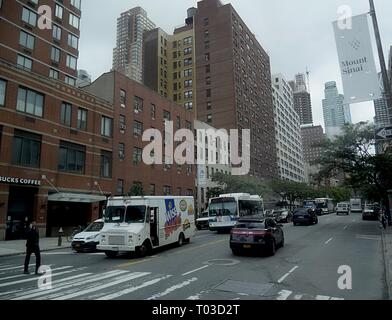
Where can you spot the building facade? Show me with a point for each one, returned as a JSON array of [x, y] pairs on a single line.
[[302, 99], [49, 52], [233, 87], [128, 53], [312, 136], [287, 132], [336, 112]]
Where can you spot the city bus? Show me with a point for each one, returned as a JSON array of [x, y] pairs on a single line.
[[225, 210], [324, 206]]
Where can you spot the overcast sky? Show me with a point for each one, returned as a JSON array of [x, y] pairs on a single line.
[[296, 34]]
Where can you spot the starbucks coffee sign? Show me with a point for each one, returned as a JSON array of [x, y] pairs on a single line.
[[20, 181]]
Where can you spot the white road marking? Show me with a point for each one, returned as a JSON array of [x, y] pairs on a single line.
[[319, 297], [193, 271], [287, 274], [195, 297], [333, 298], [171, 289], [368, 237], [345, 227], [329, 241], [132, 276], [132, 289], [23, 275], [13, 268], [284, 294], [298, 297]]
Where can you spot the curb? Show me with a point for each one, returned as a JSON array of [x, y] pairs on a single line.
[[23, 253], [386, 265]]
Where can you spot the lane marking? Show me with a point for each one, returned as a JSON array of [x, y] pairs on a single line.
[[171, 289], [23, 275], [132, 276], [333, 298], [328, 241], [284, 294], [132, 289], [287, 274], [13, 268], [345, 227], [128, 264], [319, 297], [193, 271], [298, 297]]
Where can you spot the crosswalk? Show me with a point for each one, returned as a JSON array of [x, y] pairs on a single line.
[[80, 283]]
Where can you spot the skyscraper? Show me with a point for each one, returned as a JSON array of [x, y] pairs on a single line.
[[312, 136], [128, 53], [233, 88], [302, 99], [381, 109], [336, 112], [287, 131]]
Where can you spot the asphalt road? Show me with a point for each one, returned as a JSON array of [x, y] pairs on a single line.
[[305, 269]]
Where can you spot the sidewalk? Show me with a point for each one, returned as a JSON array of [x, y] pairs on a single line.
[[17, 247], [387, 250]]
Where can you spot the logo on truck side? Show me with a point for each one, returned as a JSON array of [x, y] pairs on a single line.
[[173, 218]]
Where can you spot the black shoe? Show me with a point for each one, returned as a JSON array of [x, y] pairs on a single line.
[[26, 272]]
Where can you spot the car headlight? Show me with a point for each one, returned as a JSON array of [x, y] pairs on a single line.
[[92, 237]]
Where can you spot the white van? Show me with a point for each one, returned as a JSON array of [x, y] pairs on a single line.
[[88, 239], [140, 224]]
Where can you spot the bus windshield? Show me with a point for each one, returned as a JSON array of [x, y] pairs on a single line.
[[321, 205], [223, 207], [114, 214]]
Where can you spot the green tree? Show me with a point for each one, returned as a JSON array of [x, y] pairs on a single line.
[[136, 190]]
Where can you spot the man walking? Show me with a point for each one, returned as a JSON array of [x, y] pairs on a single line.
[[32, 246]]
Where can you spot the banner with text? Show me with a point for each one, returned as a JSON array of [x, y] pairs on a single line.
[[356, 59]]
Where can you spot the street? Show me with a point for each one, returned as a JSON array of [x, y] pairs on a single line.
[[305, 269]]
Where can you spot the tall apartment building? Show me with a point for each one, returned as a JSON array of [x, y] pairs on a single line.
[[336, 112], [312, 136], [381, 118], [169, 63], [128, 53], [287, 132], [49, 52], [302, 99], [233, 87]]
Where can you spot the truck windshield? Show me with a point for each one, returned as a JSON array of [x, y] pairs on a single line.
[[135, 214], [114, 214]]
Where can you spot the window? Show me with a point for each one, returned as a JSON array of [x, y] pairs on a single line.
[[59, 11], [76, 4], [178, 122], [137, 129], [82, 119], [153, 111], [152, 189], [166, 115], [72, 157], [74, 21], [187, 62], [188, 94], [121, 151], [209, 105], [187, 51], [120, 187], [29, 17], [207, 57], [206, 33], [71, 62], [188, 125], [3, 86], [53, 74], [24, 62], [26, 149], [106, 164], [188, 73], [66, 114], [167, 191], [206, 44], [205, 22], [137, 156], [30, 101], [208, 81], [57, 32], [187, 41], [71, 81], [122, 123], [123, 98], [73, 41], [106, 126], [208, 93], [209, 118], [55, 55], [188, 105], [208, 68], [187, 83], [137, 104], [26, 40]]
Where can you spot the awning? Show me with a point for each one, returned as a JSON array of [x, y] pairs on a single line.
[[76, 197]]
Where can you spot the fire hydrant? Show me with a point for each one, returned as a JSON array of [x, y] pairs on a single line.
[[60, 237]]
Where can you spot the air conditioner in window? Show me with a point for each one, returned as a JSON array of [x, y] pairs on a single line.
[[122, 127]]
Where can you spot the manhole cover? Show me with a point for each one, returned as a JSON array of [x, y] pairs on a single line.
[[223, 262], [241, 287]]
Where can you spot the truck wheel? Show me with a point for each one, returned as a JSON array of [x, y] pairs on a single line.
[[111, 254], [144, 250], [181, 240]]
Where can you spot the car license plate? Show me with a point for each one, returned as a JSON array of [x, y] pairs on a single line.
[[77, 246], [247, 246]]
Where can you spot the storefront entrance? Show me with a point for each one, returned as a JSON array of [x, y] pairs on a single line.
[[21, 204]]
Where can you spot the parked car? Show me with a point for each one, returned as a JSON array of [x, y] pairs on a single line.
[[203, 221], [369, 212], [256, 234], [89, 238], [283, 216], [304, 216], [343, 208]]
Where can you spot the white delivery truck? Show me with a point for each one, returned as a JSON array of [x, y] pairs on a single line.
[[140, 224], [356, 205]]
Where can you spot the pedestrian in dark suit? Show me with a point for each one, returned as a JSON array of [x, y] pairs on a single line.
[[32, 246]]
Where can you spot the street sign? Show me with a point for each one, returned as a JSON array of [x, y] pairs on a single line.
[[384, 133]]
